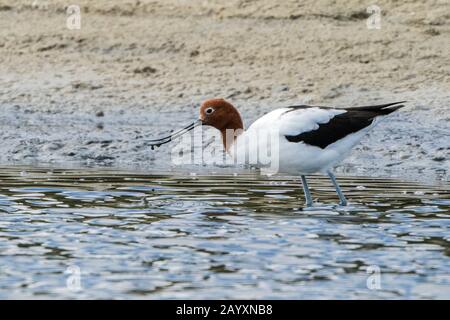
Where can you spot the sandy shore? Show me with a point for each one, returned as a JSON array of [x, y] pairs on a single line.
[[137, 69]]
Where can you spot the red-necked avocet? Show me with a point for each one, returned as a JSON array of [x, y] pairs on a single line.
[[311, 139]]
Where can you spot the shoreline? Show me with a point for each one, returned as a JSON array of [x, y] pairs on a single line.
[[93, 95]]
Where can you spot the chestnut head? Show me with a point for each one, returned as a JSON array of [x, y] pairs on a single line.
[[220, 114]]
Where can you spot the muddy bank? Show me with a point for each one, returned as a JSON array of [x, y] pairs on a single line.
[[135, 70]]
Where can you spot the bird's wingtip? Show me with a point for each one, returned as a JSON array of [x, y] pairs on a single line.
[[386, 107], [393, 104]]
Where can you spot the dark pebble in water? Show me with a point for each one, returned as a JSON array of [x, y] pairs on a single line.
[[145, 70], [280, 89], [393, 164], [152, 147], [439, 159], [194, 53], [432, 32], [100, 114], [103, 158]]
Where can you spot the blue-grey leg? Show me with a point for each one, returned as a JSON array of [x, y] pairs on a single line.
[[308, 197], [343, 201]]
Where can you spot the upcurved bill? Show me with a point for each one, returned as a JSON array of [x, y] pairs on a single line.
[[164, 140]]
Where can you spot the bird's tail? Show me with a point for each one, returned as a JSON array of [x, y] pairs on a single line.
[[383, 109]]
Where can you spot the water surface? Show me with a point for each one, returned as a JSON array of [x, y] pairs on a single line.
[[107, 234]]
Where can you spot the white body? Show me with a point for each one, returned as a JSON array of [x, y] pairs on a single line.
[[293, 157]]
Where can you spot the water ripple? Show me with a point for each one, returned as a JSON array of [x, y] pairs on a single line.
[[176, 235]]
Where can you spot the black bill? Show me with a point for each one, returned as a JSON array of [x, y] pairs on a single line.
[[174, 135]]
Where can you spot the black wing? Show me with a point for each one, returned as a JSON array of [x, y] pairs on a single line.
[[340, 126]]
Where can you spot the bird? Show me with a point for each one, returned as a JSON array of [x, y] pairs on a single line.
[[310, 139]]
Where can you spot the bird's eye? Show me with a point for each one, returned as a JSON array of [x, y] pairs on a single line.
[[209, 110]]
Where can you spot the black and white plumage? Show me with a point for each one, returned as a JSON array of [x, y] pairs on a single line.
[[341, 125], [314, 138]]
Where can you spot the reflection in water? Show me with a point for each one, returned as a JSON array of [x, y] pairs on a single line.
[[135, 235]]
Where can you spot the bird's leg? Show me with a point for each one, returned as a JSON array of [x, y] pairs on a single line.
[[343, 201], [308, 198]]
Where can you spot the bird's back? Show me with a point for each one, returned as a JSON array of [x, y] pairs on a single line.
[[312, 138]]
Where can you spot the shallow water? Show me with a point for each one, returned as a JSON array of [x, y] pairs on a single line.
[[106, 234]]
